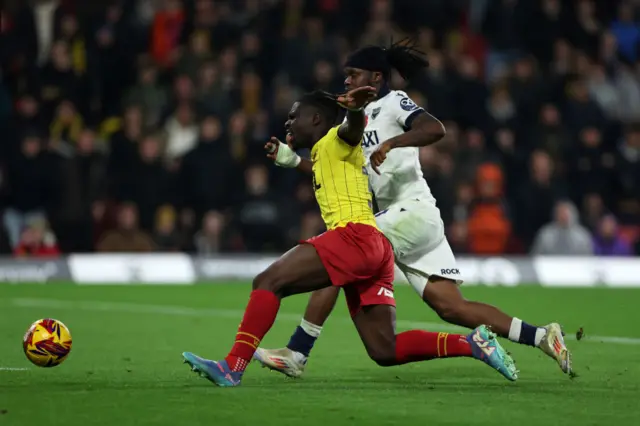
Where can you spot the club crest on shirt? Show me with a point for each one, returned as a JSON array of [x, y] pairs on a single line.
[[375, 113], [407, 104]]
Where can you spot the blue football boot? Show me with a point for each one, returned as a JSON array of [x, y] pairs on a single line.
[[217, 372]]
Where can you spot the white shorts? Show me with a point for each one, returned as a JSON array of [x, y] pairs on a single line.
[[421, 249]]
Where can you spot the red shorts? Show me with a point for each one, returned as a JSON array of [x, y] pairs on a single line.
[[358, 258]]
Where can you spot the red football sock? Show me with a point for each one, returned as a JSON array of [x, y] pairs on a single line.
[[419, 345], [258, 318]]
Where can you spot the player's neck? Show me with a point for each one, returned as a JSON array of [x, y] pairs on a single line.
[[383, 90], [320, 134]]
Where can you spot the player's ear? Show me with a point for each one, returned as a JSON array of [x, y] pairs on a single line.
[[316, 119], [376, 77]]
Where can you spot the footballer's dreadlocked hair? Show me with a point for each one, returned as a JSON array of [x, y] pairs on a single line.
[[325, 102], [403, 56]]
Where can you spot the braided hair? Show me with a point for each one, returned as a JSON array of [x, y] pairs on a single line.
[[403, 56], [406, 59]]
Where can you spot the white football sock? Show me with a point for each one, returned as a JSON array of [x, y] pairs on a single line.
[[311, 329], [514, 330], [540, 333]]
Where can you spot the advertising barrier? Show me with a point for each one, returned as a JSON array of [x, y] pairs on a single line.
[[177, 268]]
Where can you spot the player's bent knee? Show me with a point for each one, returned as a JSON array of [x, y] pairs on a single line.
[[384, 358], [266, 280], [448, 312], [449, 305]]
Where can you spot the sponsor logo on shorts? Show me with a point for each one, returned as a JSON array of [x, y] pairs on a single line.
[[385, 292], [453, 271]]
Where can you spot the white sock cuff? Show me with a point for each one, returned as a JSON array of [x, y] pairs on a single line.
[[310, 328], [540, 333], [514, 330]]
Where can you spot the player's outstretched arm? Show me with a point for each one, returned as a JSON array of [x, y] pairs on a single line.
[[352, 130], [425, 130], [284, 156]]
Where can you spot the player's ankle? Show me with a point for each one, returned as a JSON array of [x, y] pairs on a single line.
[[304, 337], [526, 334], [236, 364]]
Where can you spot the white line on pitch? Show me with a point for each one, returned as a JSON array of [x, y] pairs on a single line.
[[138, 308], [12, 369]]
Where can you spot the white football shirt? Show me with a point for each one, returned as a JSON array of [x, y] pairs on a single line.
[[400, 175]]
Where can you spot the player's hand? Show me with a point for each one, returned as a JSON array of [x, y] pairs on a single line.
[[379, 156], [282, 154], [357, 98]]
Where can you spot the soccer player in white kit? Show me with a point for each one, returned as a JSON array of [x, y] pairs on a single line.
[[407, 214]]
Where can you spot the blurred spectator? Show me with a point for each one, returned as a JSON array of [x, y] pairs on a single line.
[[626, 31], [71, 34], [260, 213], [148, 183], [526, 86], [592, 165], [198, 52], [470, 94], [212, 96], [37, 240], [166, 235], [581, 110], [36, 23], [29, 185], [127, 237], [182, 132], [607, 241], [66, 126], [488, 226], [148, 94], [501, 27], [587, 27], [593, 210], [207, 174], [57, 79], [81, 180], [165, 33], [27, 117], [123, 146], [210, 238], [551, 135], [564, 236]]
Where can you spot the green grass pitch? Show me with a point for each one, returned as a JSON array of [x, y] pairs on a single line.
[[125, 367]]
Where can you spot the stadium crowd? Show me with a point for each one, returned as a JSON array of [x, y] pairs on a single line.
[[139, 125]]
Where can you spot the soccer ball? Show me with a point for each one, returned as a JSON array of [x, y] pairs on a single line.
[[47, 342]]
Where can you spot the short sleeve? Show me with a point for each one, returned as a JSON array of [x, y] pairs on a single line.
[[405, 110]]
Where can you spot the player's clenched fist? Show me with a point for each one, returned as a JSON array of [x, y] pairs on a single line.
[[379, 156], [282, 154]]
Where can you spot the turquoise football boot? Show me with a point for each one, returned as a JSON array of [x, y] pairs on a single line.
[[487, 349]]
